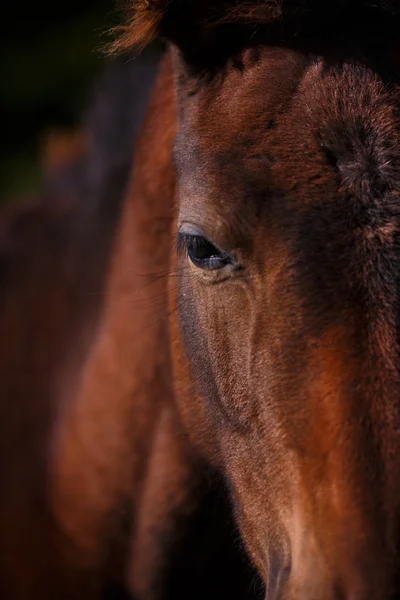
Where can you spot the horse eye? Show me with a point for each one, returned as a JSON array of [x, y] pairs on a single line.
[[202, 253]]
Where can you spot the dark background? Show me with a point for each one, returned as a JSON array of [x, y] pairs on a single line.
[[50, 54]]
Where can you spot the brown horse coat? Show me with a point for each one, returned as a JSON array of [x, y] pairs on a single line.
[[264, 351]]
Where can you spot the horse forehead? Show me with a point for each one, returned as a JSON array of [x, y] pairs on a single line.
[[245, 93], [341, 106]]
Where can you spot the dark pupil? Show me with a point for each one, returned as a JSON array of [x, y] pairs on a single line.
[[201, 249], [204, 254]]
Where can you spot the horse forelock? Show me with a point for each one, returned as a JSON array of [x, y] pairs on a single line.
[[148, 20]]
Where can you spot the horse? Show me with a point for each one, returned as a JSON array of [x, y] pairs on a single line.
[[246, 356]]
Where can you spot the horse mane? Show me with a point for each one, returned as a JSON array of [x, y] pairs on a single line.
[[148, 20]]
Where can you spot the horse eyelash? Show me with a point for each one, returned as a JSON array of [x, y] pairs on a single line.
[[181, 244]]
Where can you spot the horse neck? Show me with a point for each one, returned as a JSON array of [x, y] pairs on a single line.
[[127, 371]]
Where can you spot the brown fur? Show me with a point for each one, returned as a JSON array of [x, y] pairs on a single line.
[[286, 373], [276, 374]]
